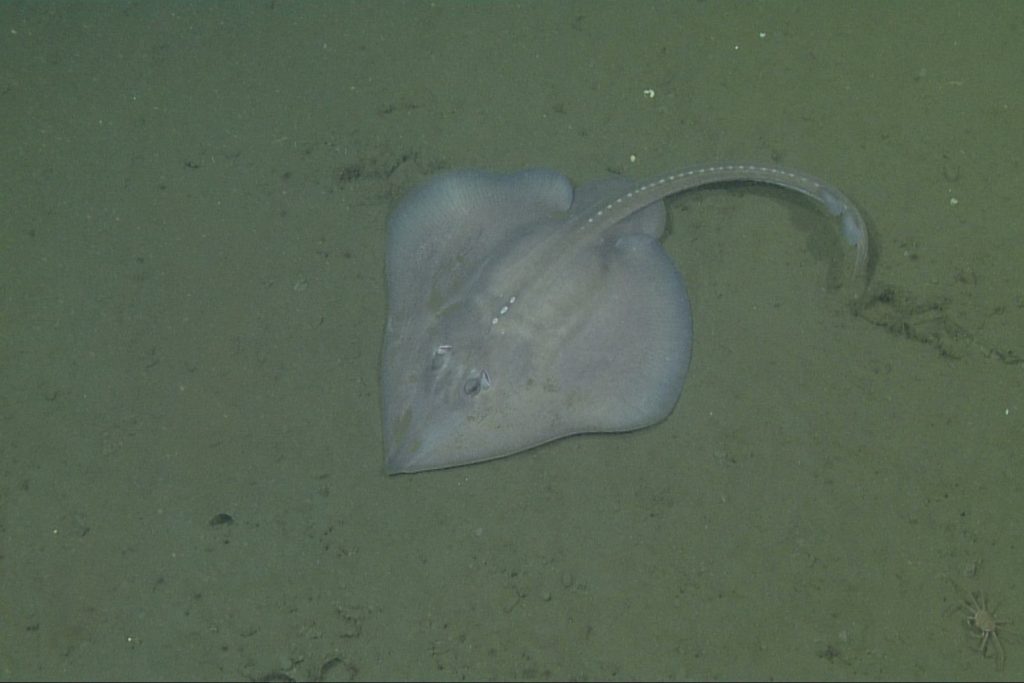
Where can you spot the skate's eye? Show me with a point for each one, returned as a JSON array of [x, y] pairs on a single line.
[[441, 355], [477, 382]]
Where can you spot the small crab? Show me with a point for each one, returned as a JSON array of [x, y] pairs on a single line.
[[985, 626]]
